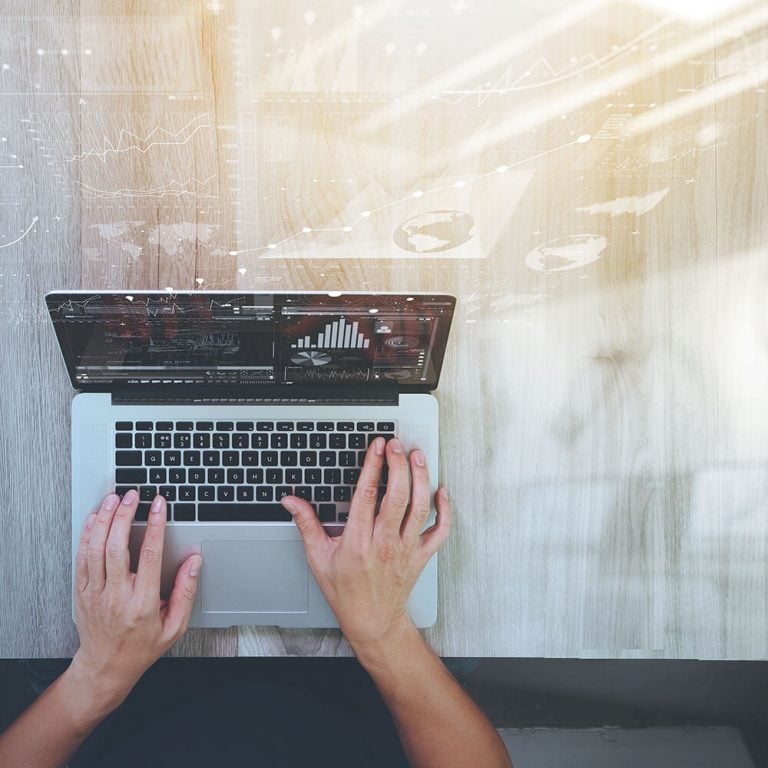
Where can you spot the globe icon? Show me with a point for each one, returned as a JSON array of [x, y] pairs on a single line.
[[434, 231], [568, 252]]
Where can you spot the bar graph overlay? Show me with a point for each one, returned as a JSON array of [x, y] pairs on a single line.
[[337, 335]]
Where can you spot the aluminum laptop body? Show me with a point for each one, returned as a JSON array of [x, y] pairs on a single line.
[[248, 358]]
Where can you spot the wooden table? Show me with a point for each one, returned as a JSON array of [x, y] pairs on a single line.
[[588, 178]]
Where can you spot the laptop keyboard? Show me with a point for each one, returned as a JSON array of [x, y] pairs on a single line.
[[237, 471]]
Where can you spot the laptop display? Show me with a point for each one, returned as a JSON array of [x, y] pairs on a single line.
[[244, 338]]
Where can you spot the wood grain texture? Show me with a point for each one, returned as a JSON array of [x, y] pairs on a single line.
[[602, 403]]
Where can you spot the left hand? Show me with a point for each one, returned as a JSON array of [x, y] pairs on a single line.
[[123, 624]]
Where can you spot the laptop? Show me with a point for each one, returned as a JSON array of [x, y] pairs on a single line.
[[224, 402]]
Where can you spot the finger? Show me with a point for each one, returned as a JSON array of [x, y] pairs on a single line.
[[182, 598], [418, 512], [311, 529], [435, 536], [363, 506], [118, 559], [398, 495], [98, 539], [151, 555], [81, 558]]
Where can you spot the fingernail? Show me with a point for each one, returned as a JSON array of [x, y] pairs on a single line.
[[195, 568], [157, 505], [418, 457], [379, 447], [396, 447], [130, 497], [111, 502]]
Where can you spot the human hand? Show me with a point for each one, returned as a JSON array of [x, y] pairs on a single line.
[[368, 572], [124, 625]]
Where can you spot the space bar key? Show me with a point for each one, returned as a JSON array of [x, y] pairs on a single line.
[[243, 513]]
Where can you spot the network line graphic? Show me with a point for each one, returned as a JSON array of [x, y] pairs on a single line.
[[143, 145], [22, 235]]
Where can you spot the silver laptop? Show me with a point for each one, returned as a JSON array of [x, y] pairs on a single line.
[[224, 402]]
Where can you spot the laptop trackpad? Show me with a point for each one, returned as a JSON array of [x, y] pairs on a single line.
[[254, 577]]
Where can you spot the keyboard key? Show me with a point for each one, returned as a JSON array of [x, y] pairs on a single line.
[[241, 440], [342, 493], [254, 476], [216, 475], [259, 440], [187, 493], [323, 493], [244, 493], [282, 490], [269, 458], [183, 512], [142, 440], [204, 426], [163, 426], [337, 441], [318, 441], [265, 426], [289, 458], [325, 426], [182, 440], [278, 441], [303, 492], [184, 426], [345, 426], [144, 426], [305, 426], [131, 476], [327, 458], [171, 458], [365, 426], [343, 517], [327, 512], [157, 475], [142, 511], [243, 513], [249, 458], [244, 426], [206, 493], [308, 459], [285, 426], [123, 440], [147, 492], [331, 476], [293, 476], [298, 440], [274, 476], [177, 476], [235, 476], [385, 426], [128, 458], [191, 458], [230, 458], [122, 426], [211, 459], [224, 426], [168, 492], [347, 458], [357, 441], [121, 490], [361, 458], [351, 476], [201, 440], [225, 493], [196, 475], [220, 440], [162, 440], [313, 476], [264, 493]]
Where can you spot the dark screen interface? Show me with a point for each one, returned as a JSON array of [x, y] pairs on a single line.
[[209, 338]]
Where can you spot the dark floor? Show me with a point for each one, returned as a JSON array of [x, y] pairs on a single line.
[[514, 693]]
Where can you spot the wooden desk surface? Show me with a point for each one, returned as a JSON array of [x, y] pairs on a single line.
[[588, 178]]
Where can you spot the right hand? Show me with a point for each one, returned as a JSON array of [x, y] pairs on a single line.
[[368, 572]]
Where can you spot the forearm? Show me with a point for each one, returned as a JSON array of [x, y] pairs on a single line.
[[437, 722], [47, 733]]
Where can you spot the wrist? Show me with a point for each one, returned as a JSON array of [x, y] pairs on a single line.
[[395, 644], [90, 700]]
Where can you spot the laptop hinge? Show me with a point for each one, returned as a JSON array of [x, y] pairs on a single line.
[[254, 395]]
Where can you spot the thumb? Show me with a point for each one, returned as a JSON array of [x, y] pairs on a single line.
[[182, 597], [306, 520]]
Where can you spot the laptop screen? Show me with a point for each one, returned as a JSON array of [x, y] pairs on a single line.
[[155, 337]]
